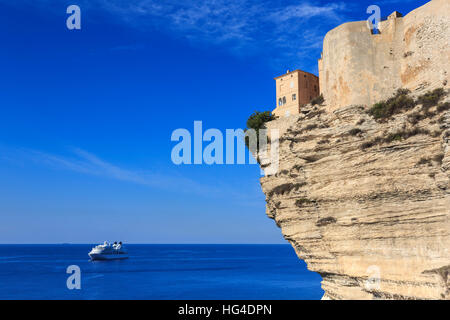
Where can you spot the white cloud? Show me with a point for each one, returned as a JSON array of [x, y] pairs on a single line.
[[281, 34], [87, 163], [243, 27], [307, 11], [277, 31]]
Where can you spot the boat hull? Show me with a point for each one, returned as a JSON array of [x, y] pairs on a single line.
[[100, 256]]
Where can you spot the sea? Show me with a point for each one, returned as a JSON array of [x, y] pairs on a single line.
[[175, 272]]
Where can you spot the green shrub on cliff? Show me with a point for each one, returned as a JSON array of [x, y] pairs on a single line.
[[443, 107], [431, 98], [401, 101], [257, 121], [317, 100], [399, 135]]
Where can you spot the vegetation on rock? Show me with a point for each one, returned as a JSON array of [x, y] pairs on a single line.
[[324, 221], [257, 121], [431, 98], [395, 136], [401, 101], [317, 100]]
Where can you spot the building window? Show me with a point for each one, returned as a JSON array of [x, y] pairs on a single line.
[[284, 100], [280, 102], [294, 97], [315, 88]]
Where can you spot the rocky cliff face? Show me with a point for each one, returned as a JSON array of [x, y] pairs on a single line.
[[366, 203]]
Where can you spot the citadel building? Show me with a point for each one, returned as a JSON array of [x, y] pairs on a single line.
[[294, 89], [361, 67]]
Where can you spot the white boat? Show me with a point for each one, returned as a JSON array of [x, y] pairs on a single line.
[[106, 251]]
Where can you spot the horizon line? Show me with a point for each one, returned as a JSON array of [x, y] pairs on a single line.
[[140, 243]]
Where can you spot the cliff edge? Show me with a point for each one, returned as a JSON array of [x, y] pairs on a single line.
[[364, 196], [366, 203]]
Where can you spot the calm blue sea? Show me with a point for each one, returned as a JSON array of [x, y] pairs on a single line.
[[158, 272]]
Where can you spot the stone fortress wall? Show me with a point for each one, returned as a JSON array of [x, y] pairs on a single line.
[[413, 52]]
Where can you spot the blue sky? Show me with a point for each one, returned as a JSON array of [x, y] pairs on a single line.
[[86, 116]]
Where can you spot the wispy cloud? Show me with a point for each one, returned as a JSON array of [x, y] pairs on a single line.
[[307, 11], [273, 30], [87, 163], [281, 34]]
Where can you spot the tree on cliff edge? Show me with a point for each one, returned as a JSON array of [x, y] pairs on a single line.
[[257, 121]]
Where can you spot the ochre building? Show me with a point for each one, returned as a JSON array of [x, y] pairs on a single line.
[[294, 89]]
